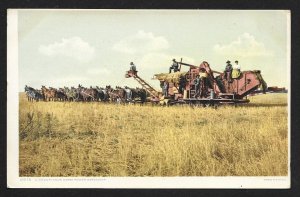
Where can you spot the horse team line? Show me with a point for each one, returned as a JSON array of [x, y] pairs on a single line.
[[107, 94]]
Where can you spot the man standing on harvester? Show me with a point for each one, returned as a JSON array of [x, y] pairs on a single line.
[[197, 86], [166, 89], [182, 83], [174, 66], [227, 72]]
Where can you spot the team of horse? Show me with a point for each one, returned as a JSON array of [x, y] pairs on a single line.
[[99, 94]]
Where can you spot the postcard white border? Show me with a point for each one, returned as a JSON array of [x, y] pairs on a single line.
[[14, 181]]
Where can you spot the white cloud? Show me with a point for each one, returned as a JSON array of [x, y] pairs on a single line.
[[245, 46], [155, 60], [73, 47], [141, 42], [148, 52]]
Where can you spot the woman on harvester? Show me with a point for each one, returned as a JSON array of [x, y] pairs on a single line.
[[236, 71]]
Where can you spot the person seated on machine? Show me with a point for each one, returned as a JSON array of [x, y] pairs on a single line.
[[174, 66], [132, 67]]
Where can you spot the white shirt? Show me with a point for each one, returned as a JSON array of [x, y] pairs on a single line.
[[236, 66]]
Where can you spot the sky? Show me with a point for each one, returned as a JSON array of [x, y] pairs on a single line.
[[95, 47]]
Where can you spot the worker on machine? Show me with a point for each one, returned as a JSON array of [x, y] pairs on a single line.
[[166, 89], [197, 86], [182, 84], [174, 66], [236, 71], [132, 70], [204, 81], [161, 84], [132, 67], [228, 70], [128, 93]]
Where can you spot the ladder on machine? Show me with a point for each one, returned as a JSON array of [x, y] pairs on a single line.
[[146, 86], [143, 83]]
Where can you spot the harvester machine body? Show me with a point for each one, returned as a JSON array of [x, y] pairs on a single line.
[[218, 89], [245, 84]]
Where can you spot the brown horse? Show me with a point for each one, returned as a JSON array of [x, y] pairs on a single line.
[[71, 94], [117, 95], [87, 94], [49, 94], [61, 95]]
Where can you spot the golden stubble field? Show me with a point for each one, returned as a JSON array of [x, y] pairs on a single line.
[[96, 139]]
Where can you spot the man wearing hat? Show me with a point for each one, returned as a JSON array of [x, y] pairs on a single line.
[[228, 70], [174, 66]]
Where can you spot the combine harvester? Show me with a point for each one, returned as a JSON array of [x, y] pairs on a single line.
[[212, 90]]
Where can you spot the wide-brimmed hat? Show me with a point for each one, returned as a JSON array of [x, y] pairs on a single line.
[[131, 63], [228, 61]]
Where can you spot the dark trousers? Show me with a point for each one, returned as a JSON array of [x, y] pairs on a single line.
[[174, 68], [197, 88], [228, 75], [204, 87], [165, 91], [181, 89]]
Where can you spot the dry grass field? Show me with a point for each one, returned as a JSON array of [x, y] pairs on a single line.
[[96, 139]]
